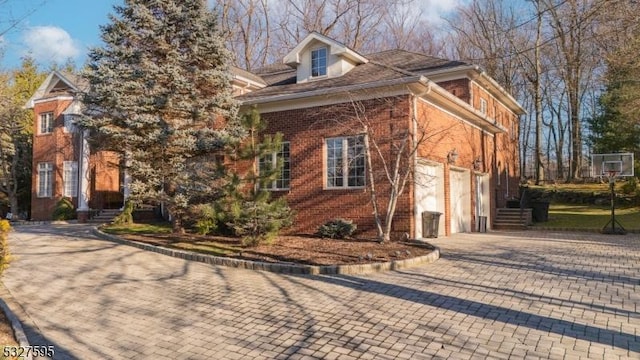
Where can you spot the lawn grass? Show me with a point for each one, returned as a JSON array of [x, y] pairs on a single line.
[[208, 247], [148, 229], [580, 216]]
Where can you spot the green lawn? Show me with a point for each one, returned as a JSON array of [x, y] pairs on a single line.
[[188, 242], [589, 217], [149, 229]]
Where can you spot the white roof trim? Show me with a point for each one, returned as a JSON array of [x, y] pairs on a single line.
[[46, 86], [335, 48]]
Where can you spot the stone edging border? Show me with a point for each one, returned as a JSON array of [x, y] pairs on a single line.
[[18, 331], [359, 269]]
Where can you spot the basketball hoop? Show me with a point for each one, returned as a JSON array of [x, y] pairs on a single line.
[[612, 174]]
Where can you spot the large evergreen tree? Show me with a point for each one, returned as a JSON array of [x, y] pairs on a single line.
[[159, 89]]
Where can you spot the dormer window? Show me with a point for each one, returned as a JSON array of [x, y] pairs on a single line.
[[319, 62]]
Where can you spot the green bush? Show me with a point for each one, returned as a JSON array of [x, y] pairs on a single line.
[[258, 222], [205, 217], [337, 229], [64, 210], [630, 186]]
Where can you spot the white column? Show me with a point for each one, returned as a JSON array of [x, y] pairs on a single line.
[[84, 171]]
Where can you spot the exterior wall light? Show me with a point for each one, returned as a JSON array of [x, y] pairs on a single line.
[[452, 156]]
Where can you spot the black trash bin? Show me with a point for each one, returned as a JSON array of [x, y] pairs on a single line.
[[540, 211], [430, 224], [481, 224]]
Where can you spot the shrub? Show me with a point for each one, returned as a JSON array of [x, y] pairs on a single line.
[[259, 222], [205, 217], [64, 210], [337, 229], [5, 257], [630, 186]]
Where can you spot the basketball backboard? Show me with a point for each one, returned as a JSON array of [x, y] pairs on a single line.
[[620, 164]]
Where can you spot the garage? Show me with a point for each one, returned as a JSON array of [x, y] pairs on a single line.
[[460, 200]]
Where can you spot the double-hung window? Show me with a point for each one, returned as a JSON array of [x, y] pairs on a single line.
[[46, 123], [345, 162], [319, 62], [271, 161], [70, 178], [45, 179]]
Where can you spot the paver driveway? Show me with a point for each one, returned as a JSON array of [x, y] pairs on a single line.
[[496, 295]]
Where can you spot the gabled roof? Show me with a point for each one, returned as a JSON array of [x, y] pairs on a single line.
[[58, 84], [335, 48], [382, 66]]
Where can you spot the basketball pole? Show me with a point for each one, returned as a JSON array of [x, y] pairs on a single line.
[[620, 230]]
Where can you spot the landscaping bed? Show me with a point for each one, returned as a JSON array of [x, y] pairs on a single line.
[[306, 250]]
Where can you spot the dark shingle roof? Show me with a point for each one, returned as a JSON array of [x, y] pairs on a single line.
[[382, 66]]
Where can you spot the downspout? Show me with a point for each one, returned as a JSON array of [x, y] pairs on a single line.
[[414, 122]]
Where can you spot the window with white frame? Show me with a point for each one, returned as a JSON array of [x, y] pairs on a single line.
[[345, 162], [45, 179], [280, 158], [70, 178], [319, 62], [70, 123], [483, 106], [46, 123]]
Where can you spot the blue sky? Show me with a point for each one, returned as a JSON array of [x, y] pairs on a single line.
[[55, 31]]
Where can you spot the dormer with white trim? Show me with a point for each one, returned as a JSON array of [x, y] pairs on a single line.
[[319, 57]]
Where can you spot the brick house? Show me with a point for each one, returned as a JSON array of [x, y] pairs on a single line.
[[63, 165], [463, 124], [466, 163]]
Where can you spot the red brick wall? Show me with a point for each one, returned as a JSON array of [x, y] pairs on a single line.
[[307, 129], [53, 147], [57, 147]]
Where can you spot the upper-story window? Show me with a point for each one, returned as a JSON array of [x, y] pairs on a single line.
[[483, 106], [319, 62], [46, 123]]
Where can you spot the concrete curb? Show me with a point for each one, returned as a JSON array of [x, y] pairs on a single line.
[[282, 268], [18, 331]]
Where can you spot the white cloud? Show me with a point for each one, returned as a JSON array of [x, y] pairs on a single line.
[[434, 10], [50, 44]]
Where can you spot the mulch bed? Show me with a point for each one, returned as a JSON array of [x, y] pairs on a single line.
[[307, 250]]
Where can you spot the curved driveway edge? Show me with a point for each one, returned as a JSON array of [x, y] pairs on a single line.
[[359, 269], [16, 326]]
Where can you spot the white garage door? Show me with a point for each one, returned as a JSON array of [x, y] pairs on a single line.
[[429, 194], [460, 202]]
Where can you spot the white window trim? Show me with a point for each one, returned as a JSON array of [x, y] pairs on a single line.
[[326, 63], [46, 168], [274, 159], [483, 106], [345, 164], [72, 178], [49, 118]]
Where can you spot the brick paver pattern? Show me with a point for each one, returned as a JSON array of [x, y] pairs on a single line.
[[496, 295]]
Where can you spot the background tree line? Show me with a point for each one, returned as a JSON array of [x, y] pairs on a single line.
[[560, 58]]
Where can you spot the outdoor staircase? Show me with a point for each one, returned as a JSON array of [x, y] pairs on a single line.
[[512, 219], [105, 216]]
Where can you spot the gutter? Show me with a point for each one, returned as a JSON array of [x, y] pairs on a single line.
[[330, 91]]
